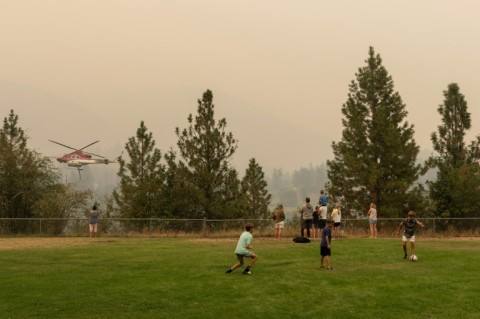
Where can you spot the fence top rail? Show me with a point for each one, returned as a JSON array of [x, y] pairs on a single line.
[[125, 219], [215, 220], [134, 219]]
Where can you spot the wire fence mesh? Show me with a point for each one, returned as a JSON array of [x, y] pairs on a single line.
[[221, 228]]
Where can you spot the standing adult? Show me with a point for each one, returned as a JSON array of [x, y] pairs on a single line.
[[322, 202], [337, 218], [279, 219], [93, 221], [372, 220], [307, 216], [316, 211]]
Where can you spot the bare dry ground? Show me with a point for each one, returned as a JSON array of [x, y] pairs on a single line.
[[42, 242], [59, 242]]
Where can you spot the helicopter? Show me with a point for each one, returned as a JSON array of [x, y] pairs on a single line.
[[80, 158]]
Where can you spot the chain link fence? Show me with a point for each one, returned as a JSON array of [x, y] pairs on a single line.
[[221, 228]]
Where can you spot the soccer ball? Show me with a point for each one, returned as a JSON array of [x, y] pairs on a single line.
[[413, 258]]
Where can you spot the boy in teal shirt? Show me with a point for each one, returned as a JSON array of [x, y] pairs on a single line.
[[242, 250]]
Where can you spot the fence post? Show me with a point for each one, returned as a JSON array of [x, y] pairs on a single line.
[[204, 226], [434, 226], [40, 227], [150, 228]]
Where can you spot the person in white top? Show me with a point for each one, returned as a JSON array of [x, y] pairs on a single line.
[[337, 218], [372, 220]]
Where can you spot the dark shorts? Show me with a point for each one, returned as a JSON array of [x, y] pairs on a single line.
[[322, 223], [336, 225], [307, 223], [240, 257], [325, 251]]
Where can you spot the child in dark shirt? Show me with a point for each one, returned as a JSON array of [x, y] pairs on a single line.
[[325, 246]]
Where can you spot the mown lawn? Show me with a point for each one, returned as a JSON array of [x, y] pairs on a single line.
[[184, 278]]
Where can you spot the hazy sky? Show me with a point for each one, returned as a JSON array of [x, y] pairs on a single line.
[[78, 71]]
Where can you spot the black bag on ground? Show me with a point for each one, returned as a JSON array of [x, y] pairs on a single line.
[[301, 240]]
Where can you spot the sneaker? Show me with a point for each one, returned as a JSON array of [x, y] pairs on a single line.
[[247, 272], [228, 271], [405, 257], [329, 268]]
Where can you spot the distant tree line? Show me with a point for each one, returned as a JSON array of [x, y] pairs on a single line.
[[197, 181], [290, 189], [375, 161]]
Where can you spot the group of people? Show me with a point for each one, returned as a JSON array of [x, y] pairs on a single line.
[[244, 244], [316, 219], [322, 227]]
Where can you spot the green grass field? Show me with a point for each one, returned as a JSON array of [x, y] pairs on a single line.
[[184, 278]]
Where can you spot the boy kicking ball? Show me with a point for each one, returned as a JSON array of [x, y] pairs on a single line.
[[410, 224], [242, 250]]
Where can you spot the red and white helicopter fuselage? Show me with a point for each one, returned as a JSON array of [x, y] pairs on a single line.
[[79, 159]]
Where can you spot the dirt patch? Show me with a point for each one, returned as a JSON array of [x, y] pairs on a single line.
[[461, 238], [59, 242], [53, 242]]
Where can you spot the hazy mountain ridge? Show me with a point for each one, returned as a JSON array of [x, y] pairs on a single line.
[[274, 142]]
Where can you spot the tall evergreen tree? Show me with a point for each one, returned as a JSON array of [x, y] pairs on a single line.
[[375, 160], [180, 190], [254, 188], [449, 142], [139, 194], [206, 150], [25, 175], [233, 196], [456, 190]]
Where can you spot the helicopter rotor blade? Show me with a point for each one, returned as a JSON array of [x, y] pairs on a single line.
[[81, 149], [64, 145], [88, 146]]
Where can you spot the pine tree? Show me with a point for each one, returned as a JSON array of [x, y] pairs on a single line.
[[449, 143], [205, 154], [180, 190], [139, 194], [375, 159], [254, 188], [233, 198], [456, 190]]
